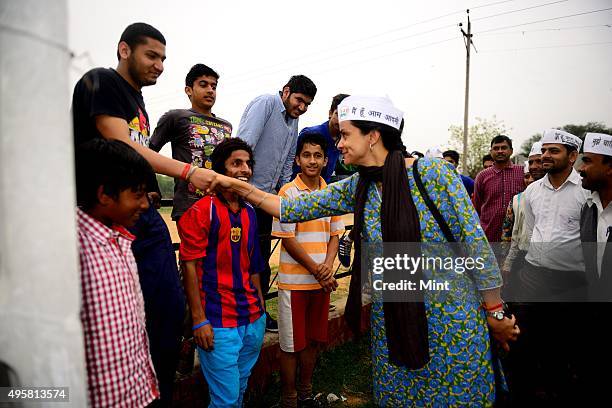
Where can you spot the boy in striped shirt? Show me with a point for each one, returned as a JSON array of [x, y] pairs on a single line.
[[220, 249], [305, 277]]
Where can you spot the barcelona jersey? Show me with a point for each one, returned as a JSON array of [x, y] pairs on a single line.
[[226, 247]]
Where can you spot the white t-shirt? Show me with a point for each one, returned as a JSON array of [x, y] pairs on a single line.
[[552, 220]]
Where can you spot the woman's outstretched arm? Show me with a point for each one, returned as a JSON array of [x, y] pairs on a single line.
[[270, 203]]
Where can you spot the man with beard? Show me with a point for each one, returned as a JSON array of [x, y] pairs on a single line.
[[269, 125], [494, 187], [596, 218], [551, 283], [330, 130], [596, 236], [514, 231], [108, 104]]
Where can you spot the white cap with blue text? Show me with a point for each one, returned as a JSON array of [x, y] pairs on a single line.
[[370, 108], [536, 149], [598, 143], [561, 137], [434, 152]]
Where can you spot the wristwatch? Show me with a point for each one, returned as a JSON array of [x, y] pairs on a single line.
[[497, 315]]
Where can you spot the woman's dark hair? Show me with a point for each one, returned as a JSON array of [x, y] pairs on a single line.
[[391, 137], [112, 164], [224, 150], [197, 71], [314, 139]]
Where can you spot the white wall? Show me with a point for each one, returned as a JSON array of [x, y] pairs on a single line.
[[40, 331]]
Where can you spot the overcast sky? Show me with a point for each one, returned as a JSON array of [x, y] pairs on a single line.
[[531, 76]]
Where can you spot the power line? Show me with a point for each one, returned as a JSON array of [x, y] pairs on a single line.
[[548, 29], [550, 46], [401, 28], [544, 20], [519, 10], [157, 103], [322, 59], [489, 4], [251, 75]]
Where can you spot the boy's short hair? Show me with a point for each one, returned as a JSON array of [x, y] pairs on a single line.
[[501, 139], [137, 33], [453, 154], [311, 138], [336, 101], [487, 157], [197, 71], [301, 84], [109, 163], [224, 150]]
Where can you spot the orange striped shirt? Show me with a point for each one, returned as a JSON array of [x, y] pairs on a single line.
[[312, 235]]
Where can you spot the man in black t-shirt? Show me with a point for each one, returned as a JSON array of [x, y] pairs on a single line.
[[108, 103], [193, 133]]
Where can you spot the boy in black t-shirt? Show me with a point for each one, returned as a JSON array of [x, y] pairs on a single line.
[[193, 133], [108, 104]]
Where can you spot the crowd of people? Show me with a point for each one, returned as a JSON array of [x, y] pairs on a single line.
[[234, 189]]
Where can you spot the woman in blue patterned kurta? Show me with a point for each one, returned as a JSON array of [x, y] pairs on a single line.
[[459, 372]]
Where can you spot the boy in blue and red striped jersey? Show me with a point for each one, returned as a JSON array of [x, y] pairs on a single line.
[[220, 250]]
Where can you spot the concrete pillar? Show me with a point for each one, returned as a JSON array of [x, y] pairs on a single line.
[[40, 330]]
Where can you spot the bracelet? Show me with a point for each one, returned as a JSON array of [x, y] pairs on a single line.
[[197, 326], [191, 171], [186, 169], [249, 193], [262, 200], [492, 308]]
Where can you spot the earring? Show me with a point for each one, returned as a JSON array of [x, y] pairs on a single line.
[[370, 146]]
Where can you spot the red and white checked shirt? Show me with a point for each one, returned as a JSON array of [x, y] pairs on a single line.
[[493, 190], [120, 372]]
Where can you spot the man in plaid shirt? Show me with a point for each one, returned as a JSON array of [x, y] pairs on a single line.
[[111, 195], [494, 188]]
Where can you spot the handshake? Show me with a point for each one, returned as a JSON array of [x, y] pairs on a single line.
[[325, 275]]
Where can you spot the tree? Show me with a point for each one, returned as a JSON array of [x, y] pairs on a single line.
[[578, 130], [593, 127], [526, 146], [166, 185], [479, 140]]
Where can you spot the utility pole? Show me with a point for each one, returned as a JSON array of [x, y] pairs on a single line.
[[467, 39]]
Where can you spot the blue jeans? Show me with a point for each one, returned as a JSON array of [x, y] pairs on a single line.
[[228, 366]]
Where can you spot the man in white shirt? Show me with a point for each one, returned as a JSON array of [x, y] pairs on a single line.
[[596, 219], [552, 212], [552, 280], [596, 236]]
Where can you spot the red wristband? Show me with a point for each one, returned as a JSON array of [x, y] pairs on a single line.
[[492, 308], [185, 171]]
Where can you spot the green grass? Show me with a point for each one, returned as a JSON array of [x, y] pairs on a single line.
[[165, 210], [346, 370]]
